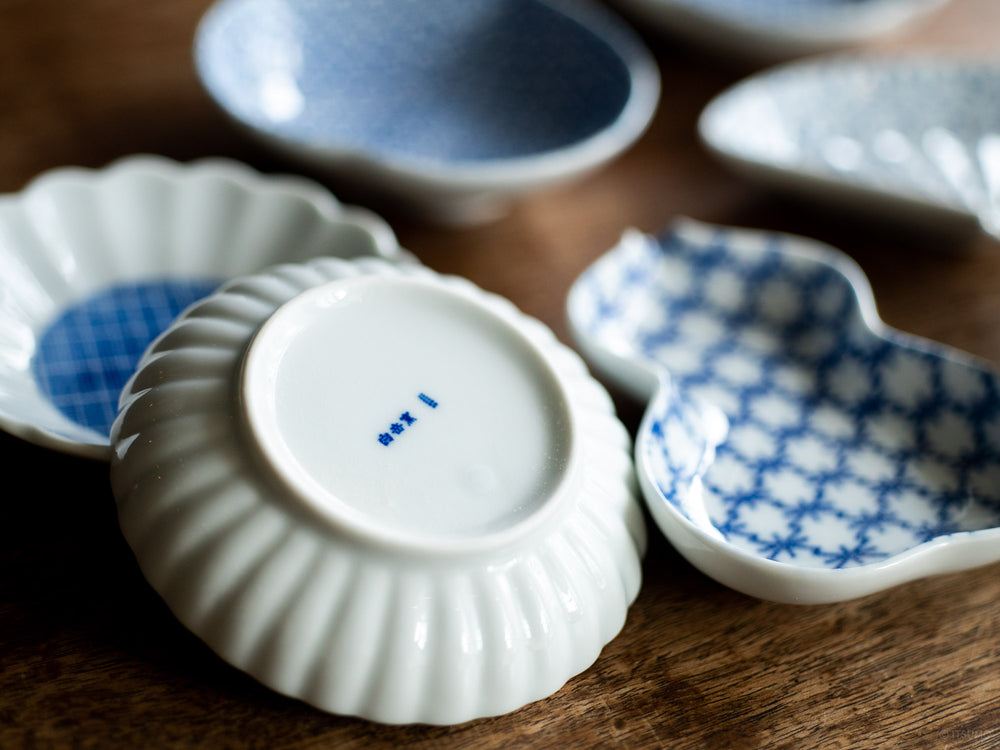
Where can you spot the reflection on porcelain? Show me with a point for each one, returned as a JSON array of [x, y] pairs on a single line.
[[379, 490], [450, 105], [95, 263], [794, 447], [773, 29], [914, 138]]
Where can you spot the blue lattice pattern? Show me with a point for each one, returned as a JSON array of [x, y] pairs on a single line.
[[85, 357], [790, 428]]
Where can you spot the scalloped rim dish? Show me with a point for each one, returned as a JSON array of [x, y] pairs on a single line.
[[364, 524], [794, 448], [74, 235]]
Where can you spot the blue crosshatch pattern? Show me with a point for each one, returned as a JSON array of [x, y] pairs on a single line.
[[85, 356], [788, 428]]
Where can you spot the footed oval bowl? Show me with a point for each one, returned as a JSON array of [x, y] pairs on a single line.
[[448, 107]]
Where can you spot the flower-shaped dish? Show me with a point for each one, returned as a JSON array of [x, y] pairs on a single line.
[[913, 138], [450, 106], [794, 448], [768, 30], [382, 491], [94, 264]]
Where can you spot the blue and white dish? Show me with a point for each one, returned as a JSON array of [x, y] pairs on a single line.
[[794, 447], [450, 106], [914, 138], [775, 29], [94, 264]]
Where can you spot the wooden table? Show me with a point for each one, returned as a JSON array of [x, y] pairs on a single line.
[[90, 657]]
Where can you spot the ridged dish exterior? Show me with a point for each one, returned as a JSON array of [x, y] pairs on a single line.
[[74, 232], [351, 626]]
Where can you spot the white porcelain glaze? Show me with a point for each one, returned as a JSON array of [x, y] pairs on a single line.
[[382, 491], [450, 107], [913, 138], [769, 30], [158, 233], [794, 447]]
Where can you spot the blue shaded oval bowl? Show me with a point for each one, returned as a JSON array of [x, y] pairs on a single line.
[[794, 448], [448, 105]]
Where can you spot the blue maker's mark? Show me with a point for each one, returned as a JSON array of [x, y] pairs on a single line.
[[405, 420]]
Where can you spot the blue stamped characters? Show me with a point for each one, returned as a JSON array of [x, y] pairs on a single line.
[[406, 419]]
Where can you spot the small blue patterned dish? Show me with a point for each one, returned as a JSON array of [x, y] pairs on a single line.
[[774, 29], [449, 105], [794, 448], [914, 138], [94, 264]]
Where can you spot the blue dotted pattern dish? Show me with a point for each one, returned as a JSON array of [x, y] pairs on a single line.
[[790, 430], [915, 138], [86, 356]]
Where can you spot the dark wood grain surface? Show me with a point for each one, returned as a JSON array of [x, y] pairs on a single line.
[[90, 657]]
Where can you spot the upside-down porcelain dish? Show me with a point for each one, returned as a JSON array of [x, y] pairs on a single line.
[[380, 490]]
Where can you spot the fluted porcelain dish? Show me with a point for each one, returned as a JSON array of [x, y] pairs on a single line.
[[95, 263], [914, 138], [794, 448], [448, 106], [379, 490], [768, 30]]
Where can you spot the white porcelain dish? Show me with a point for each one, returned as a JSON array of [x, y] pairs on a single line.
[[794, 447], [449, 106], [914, 138], [769, 30], [95, 263], [379, 490]]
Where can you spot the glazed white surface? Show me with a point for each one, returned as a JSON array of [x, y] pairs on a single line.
[[325, 601]]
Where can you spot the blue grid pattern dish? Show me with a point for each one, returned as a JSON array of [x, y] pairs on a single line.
[[448, 105], [914, 138], [85, 357], [95, 263], [794, 447], [771, 29]]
